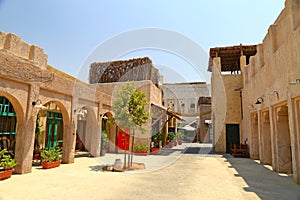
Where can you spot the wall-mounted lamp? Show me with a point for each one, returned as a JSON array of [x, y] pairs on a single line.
[[38, 104], [275, 93], [259, 101], [296, 82], [104, 116]]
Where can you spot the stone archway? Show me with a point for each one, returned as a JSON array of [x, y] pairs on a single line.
[[110, 129], [12, 121], [284, 154], [254, 146], [55, 129], [266, 152], [20, 130], [88, 130]]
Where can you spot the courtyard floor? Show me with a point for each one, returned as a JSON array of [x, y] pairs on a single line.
[[188, 171]]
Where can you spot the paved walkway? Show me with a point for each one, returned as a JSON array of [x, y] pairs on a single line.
[[178, 173]]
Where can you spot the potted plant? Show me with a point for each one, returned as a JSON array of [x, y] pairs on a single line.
[[171, 138], [180, 137], [6, 163], [157, 139], [50, 158], [141, 149]]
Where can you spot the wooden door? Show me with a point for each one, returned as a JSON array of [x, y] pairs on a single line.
[[232, 135], [123, 140]]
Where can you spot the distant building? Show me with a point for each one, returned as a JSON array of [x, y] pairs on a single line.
[[183, 98]]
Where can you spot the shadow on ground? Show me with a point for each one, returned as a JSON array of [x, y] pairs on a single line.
[[198, 150], [187, 150], [98, 168], [267, 185]]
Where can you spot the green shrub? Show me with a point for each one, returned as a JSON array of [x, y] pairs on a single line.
[[51, 155], [6, 162], [171, 136], [141, 148]]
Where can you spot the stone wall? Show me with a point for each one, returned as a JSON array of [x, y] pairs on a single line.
[[271, 77], [25, 78]]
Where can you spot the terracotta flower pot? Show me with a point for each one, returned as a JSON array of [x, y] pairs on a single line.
[[154, 150], [6, 174], [49, 165], [179, 142], [141, 153]]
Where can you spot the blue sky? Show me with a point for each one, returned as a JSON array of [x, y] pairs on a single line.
[[70, 31]]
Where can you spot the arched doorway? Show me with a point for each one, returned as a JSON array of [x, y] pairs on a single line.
[[88, 131], [110, 130], [49, 128], [8, 125], [81, 129]]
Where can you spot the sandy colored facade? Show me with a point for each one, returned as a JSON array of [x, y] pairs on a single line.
[[73, 111], [268, 111], [204, 108], [25, 80], [154, 96]]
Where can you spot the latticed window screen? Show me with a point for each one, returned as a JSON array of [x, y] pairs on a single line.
[[8, 124], [54, 134]]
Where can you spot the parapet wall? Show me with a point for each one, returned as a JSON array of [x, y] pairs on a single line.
[[277, 41], [13, 44]]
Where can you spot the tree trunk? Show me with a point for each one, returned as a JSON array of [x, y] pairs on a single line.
[[132, 148]]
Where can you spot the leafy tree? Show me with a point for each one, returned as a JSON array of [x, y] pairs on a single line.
[[129, 108]]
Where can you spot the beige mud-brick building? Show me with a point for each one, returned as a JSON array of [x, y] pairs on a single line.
[[109, 77], [268, 111], [26, 82]]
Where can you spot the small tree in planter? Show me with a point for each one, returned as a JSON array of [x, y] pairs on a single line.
[[129, 108], [7, 164], [141, 149], [50, 158]]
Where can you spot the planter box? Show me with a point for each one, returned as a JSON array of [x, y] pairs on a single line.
[[49, 165], [154, 150], [141, 153], [5, 174]]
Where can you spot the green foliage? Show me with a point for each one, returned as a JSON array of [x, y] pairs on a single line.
[[180, 135], [104, 139], [171, 136], [157, 138], [38, 127], [141, 148], [129, 107], [51, 155], [6, 161]]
